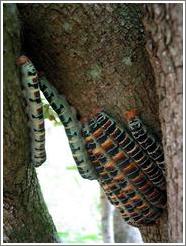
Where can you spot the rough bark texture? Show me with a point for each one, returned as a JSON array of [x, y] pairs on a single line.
[[26, 218], [95, 54], [106, 219], [164, 22]]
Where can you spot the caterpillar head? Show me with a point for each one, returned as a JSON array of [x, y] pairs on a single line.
[[131, 115], [27, 67]]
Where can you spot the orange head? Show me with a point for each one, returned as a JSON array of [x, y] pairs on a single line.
[[97, 110], [22, 60], [131, 114]]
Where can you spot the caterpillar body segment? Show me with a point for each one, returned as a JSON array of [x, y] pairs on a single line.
[[34, 109], [126, 187], [145, 139], [72, 127]]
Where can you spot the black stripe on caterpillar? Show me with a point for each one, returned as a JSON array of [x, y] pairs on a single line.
[[142, 204], [132, 149], [34, 110], [72, 127], [144, 138]]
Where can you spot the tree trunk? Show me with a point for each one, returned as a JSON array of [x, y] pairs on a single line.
[[95, 54], [106, 219], [164, 22], [26, 218]]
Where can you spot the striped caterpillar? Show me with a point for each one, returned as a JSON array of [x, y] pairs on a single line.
[[34, 110], [128, 163], [145, 139], [132, 181], [32, 83], [72, 127]]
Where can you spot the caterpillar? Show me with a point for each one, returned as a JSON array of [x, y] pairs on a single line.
[[131, 181], [128, 162], [132, 149], [72, 127], [32, 83], [34, 110], [145, 139]]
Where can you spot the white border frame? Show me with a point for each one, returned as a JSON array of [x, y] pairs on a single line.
[[85, 1], [104, 1]]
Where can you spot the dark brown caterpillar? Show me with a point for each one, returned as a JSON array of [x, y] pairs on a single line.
[[131, 181]]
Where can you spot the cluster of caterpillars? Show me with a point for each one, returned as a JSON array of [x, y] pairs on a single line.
[[33, 82], [131, 172], [128, 162]]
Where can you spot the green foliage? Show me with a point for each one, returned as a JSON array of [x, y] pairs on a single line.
[[73, 168], [49, 113]]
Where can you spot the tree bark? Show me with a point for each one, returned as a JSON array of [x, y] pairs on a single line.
[[26, 218], [164, 23], [95, 54]]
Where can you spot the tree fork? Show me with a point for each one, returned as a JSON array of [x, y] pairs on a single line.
[[95, 54]]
